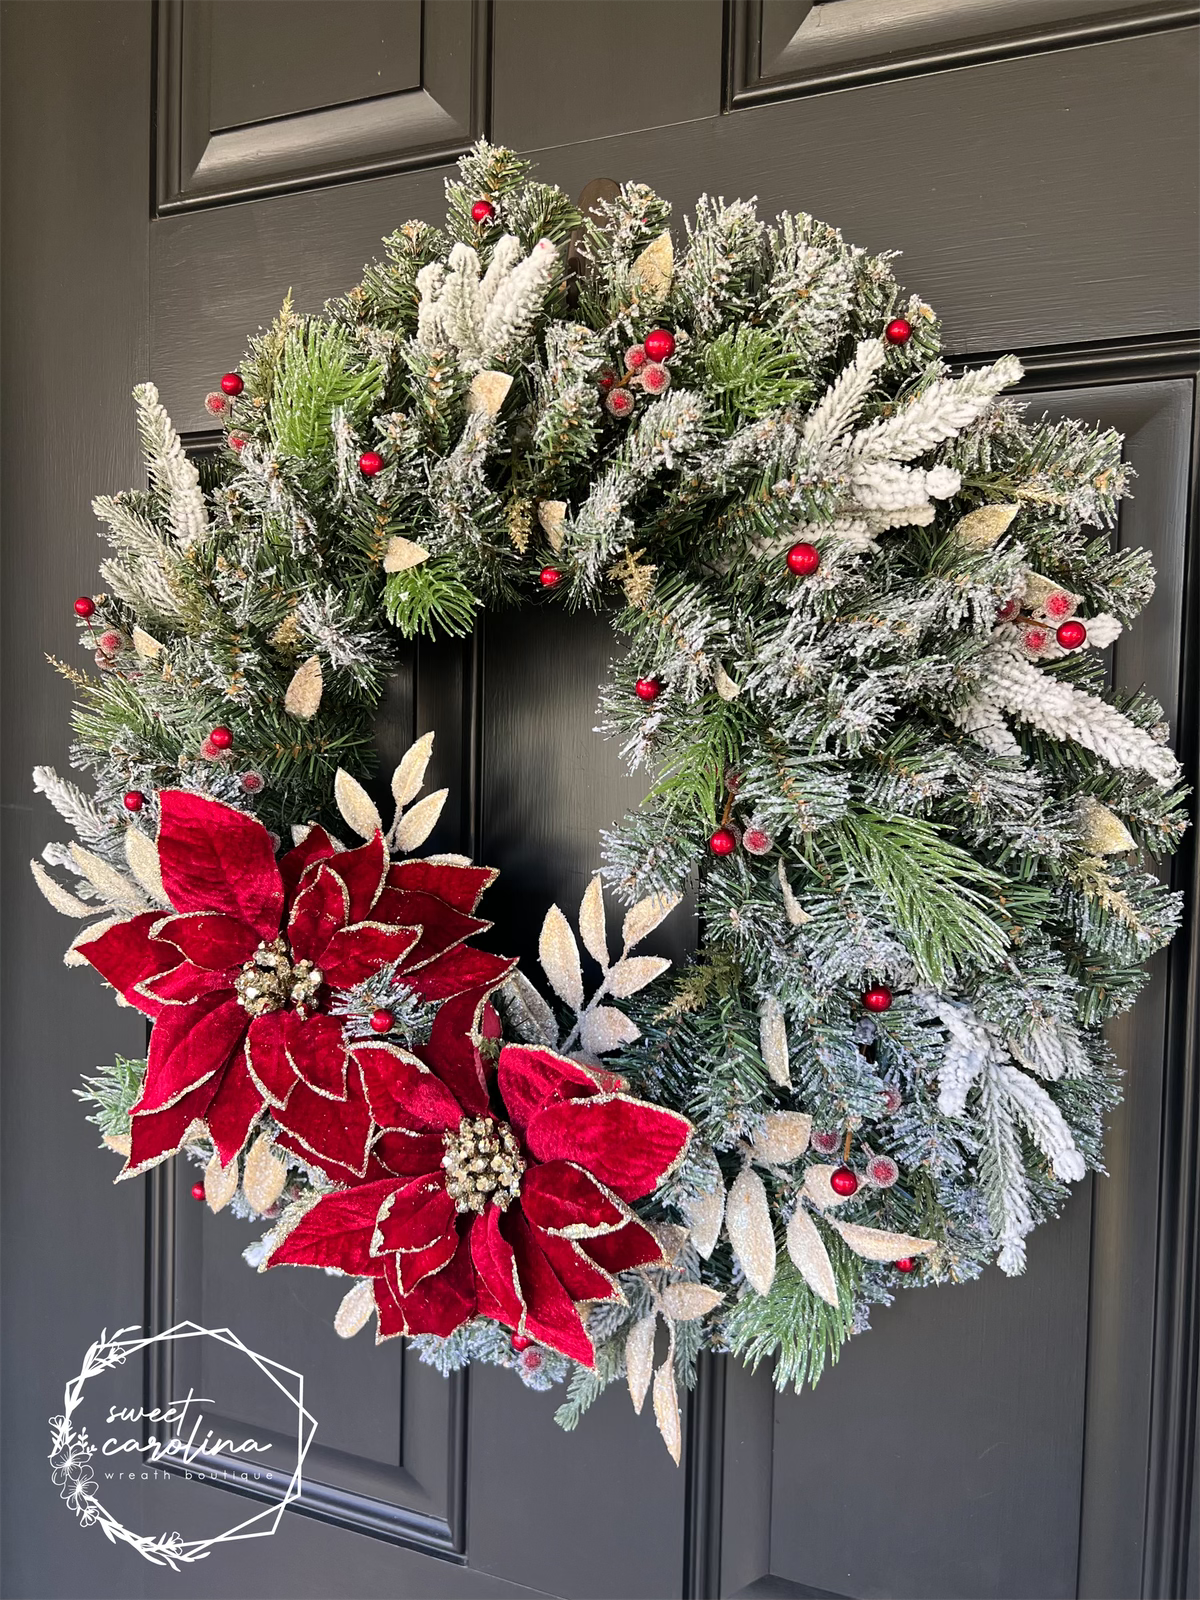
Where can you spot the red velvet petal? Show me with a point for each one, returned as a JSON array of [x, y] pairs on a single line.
[[315, 846], [631, 1246], [337, 1130], [415, 1217], [319, 910], [336, 1232], [126, 954], [267, 1059], [550, 1314], [357, 952], [530, 1079], [217, 859], [562, 1197], [457, 971], [581, 1278], [412, 1267], [210, 939], [496, 1268], [451, 1051], [408, 1155], [183, 984], [363, 871], [460, 887], [232, 1110], [154, 1135], [403, 1094], [188, 1044], [442, 926], [317, 1052], [441, 1303], [374, 1172], [626, 1143]]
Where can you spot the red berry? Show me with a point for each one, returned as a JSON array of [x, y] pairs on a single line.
[[659, 345], [882, 1171], [111, 641], [221, 738], [1071, 635], [878, 997], [1008, 611], [898, 331], [647, 689], [482, 211], [521, 1341], [85, 606], [236, 442], [723, 842], [253, 783], [618, 402], [826, 1141], [635, 357], [232, 383], [842, 1181], [382, 1020], [215, 403], [804, 559], [905, 1264], [606, 379], [134, 800], [549, 577], [757, 841], [369, 463], [654, 378], [197, 1191]]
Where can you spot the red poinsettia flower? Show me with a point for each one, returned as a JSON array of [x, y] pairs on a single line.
[[241, 976], [511, 1201]]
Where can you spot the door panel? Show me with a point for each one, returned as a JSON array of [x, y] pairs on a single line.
[[1003, 1438]]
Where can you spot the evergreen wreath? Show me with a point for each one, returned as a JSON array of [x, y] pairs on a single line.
[[865, 673]]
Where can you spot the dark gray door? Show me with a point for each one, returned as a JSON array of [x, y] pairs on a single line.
[[169, 172]]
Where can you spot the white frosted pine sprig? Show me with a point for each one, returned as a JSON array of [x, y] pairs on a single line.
[[73, 805], [838, 408], [940, 411], [486, 319], [172, 474]]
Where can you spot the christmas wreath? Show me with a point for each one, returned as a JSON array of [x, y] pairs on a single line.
[[865, 675]]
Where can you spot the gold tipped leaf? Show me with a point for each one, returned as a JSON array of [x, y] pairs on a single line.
[[356, 1309], [772, 1041], [303, 697], [980, 529], [878, 1244], [639, 1359], [220, 1183], [666, 1409], [403, 554], [141, 852], [263, 1176], [784, 1138], [748, 1223], [653, 270], [807, 1250], [688, 1302]]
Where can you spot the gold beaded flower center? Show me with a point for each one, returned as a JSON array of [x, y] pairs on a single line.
[[270, 979], [482, 1162]]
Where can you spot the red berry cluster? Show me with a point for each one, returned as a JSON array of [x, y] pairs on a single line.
[[645, 369]]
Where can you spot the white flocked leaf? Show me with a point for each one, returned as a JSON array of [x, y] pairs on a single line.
[[529, 1013], [591, 924], [671, 1239], [878, 1244], [772, 1040], [748, 1223], [688, 1302], [355, 1310], [784, 1137], [632, 973], [416, 825], [725, 686], [220, 1183], [61, 899], [145, 644], [403, 554], [487, 391], [666, 1409], [645, 916], [303, 696], [605, 1028], [356, 805], [705, 1213], [819, 1188], [117, 889], [639, 1359], [653, 270], [559, 956], [410, 774], [141, 852], [552, 515], [807, 1250], [793, 910], [263, 1175]]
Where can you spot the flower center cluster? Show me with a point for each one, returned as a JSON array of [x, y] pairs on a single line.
[[270, 979], [482, 1162]]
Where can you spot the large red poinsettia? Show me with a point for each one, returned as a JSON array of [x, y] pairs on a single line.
[[510, 1201], [241, 975]]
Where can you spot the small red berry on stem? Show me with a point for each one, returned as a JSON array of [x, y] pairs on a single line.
[[236, 442], [842, 1181], [382, 1020], [1071, 635], [232, 383], [549, 577], [723, 842], [221, 738], [482, 211], [134, 800], [369, 463], [215, 403], [635, 357], [803, 559], [197, 1191], [85, 607], [647, 689], [521, 1341], [905, 1264], [1008, 611], [618, 402], [898, 331], [659, 345], [878, 997]]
